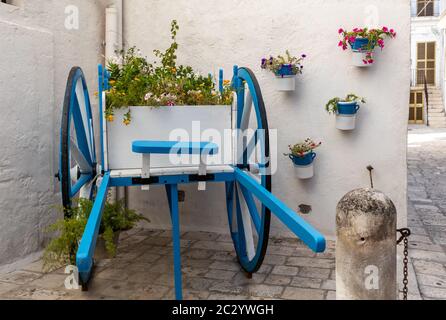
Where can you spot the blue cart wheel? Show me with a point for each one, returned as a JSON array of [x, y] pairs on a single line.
[[77, 160], [249, 219]]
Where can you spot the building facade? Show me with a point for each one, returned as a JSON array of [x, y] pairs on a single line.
[[428, 78]]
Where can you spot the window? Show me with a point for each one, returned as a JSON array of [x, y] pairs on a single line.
[[416, 107], [426, 62], [425, 8]]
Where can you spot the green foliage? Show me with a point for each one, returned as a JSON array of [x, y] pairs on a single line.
[[302, 148], [136, 82], [63, 248], [332, 105], [274, 64]]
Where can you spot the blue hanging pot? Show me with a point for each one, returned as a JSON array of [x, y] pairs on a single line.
[[360, 44], [348, 108], [285, 70], [305, 160]]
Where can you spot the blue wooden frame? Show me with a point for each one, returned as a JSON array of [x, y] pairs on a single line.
[[249, 188]]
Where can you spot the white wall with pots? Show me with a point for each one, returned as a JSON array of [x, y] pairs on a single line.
[[216, 34]]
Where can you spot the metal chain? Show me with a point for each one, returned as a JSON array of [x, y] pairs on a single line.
[[405, 233]]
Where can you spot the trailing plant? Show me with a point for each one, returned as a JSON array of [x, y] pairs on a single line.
[[63, 248], [332, 105], [275, 64], [136, 82], [375, 38], [302, 148]]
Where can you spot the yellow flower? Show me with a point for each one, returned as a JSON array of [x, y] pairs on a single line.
[[111, 82], [226, 82], [174, 70], [110, 118], [96, 94], [126, 122], [136, 79]]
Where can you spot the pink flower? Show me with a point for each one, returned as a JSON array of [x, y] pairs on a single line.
[[170, 103], [392, 31], [371, 61], [352, 39], [385, 29], [341, 44], [365, 61], [340, 31]]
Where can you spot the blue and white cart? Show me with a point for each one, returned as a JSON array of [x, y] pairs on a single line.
[[140, 155]]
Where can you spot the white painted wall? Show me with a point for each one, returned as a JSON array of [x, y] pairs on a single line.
[[217, 34], [37, 52]]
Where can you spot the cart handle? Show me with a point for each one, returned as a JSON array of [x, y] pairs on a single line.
[[306, 232]]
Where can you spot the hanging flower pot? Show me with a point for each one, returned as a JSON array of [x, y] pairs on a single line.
[[345, 110], [361, 57], [285, 78], [363, 42], [302, 156], [346, 115], [285, 68]]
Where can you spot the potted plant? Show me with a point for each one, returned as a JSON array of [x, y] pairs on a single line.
[[345, 110], [363, 42], [61, 250], [156, 100], [302, 156], [285, 68]]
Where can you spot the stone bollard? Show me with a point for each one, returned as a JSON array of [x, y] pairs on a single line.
[[366, 246]]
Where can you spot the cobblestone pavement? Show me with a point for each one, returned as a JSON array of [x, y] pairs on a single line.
[[427, 209], [143, 268]]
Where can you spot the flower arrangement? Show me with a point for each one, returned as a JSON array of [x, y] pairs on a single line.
[[284, 65], [301, 149], [302, 155], [365, 40], [134, 81], [333, 105]]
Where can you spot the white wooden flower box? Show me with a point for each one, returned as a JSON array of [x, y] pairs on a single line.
[[175, 123]]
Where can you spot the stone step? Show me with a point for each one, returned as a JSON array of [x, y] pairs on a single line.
[[436, 116], [437, 125], [436, 111]]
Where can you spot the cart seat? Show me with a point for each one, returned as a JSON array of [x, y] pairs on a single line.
[[174, 147]]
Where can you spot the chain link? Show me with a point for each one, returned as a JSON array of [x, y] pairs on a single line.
[[405, 233]]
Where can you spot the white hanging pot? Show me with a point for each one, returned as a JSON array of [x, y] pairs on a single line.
[[304, 172], [346, 122], [346, 115], [358, 59], [303, 166], [285, 83]]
